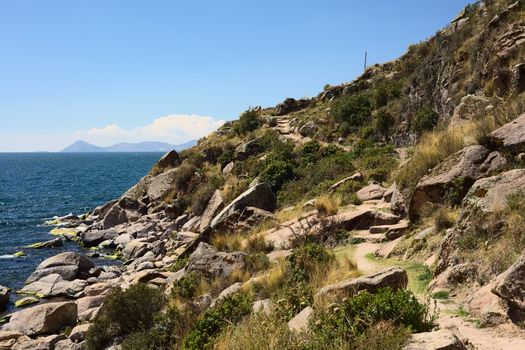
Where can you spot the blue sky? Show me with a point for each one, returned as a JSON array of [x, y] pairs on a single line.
[[125, 70]]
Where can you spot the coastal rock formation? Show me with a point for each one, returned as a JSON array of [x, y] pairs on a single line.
[[43, 319], [4, 296], [68, 265], [209, 262]]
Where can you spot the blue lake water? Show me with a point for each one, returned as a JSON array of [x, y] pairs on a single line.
[[37, 186]]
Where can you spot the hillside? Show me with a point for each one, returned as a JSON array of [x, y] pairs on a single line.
[[383, 213]]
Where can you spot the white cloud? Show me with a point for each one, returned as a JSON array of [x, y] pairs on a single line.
[[173, 128]]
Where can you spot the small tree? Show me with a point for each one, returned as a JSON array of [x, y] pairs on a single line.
[[248, 121]]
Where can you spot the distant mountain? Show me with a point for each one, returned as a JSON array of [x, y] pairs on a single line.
[[83, 146], [148, 146]]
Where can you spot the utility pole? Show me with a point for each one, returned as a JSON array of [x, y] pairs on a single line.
[[365, 60]]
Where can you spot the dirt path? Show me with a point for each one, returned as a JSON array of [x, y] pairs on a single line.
[[448, 318]]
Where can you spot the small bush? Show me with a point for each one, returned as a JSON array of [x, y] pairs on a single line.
[[277, 172], [292, 298], [383, 122], [229, 311], [248, 121], [306, 259], [186, 287], [352, 111], [257, 244], [355, 315], [442, 294], [425, 119], [123, 313], [308, 152]]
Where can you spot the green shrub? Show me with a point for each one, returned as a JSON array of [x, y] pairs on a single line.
[[292, 298], [277, 172], [123, 313], [383, 122], [355, 315], [352, 111], [228, 311], [187, 286], [226, 157], [248, 121], [169, 329], [179, 264], [308, 152], [306, 259], [442, 294], [425, 119]]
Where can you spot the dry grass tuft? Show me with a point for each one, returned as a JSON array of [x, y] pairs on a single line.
[[327, 205], [227, 241]]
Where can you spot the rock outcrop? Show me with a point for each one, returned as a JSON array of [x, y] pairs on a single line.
[[43, 319], [394, 277], [510, 285], [68, 265], [453, 177], [210, 263], [260, 196]]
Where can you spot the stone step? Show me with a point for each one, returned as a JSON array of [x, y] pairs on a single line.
[[391, 231]]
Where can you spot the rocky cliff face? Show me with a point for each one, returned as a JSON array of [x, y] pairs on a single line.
[[240, 210]]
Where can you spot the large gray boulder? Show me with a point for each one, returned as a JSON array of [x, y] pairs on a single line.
[[301, 321], [393, 277], [167, 161], [454, 176], [210, 263], [125, 210], [443, 339], [215, 205], [53, 286], [43, 319], [510, 285], [68, 265], [95, 237], [510, 136], [370, 192], [260, 196], [4, 296]]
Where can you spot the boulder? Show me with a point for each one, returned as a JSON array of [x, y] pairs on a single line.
[[53, 286], [248, 149], [454, 176], [215, 205], [301, 321], [43, 319], [95, 237], [79, 332], [397, 203], [487, 195], [135, 249], [228, 168], [244, 220], [511, 136], [471, 107], [40, 343], [68, 265], [308, 129], [354, 177], [372, 191], [67, 344], [510, 285], [4, 296], [53, 243], [443, 339], [291, 105], [88, 306], [394, 277], [262, 306], [234, 288], [167, 161], [209, 262], [260, 196]]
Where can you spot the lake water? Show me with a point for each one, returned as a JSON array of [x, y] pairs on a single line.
[[36, 186]]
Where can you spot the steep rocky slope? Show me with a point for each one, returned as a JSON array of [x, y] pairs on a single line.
[[357, 204]]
